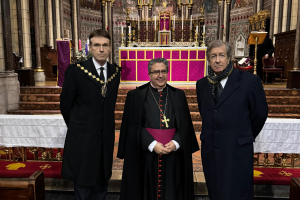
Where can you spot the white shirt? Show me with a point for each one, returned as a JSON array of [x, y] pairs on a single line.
[[223, 82], [97, 66]]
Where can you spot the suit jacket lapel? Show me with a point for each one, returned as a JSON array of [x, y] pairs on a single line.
[[174, 99], [231, 85], [208, 95], [89, 65]]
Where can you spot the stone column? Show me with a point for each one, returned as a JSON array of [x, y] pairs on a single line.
[[14, 26], [103, 15], [272, 18], [289, 15], [20, 29], [3, 94], [50, 26], [39, 75], [280, 16], [260, 5], [220, 19], [58, 18], [54, 23], [110, 28], [26, 35], [228, 20], [42, 24], [61, 17], [297, 42], [254, 6], [294, 15], [47, 22], [223, 30], [78, 19], [75, 27]]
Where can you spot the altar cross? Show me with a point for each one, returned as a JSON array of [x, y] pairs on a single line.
[[164, 20], [165, 121]]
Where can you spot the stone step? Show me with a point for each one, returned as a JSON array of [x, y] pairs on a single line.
[[282, 92], [40, 90], [290, 109], [283, 100], [284, 115], [39, 106], [39, 97], [35, 112]]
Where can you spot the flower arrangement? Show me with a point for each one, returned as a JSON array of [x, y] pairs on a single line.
[[81, 55]]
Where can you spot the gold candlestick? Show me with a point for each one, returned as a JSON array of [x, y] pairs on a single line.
[[129, 40], [133, 35], [196, 39], [155, 37], [147, 36], [182, 36], [191, 40], [122, 44], [139, 35], [203, 41], [173, 35]]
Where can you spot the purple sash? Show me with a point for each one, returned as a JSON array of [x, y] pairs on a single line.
[[163, 136]]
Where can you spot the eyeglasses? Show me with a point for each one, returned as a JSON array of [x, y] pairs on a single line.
[[98, 46], [157, 72]]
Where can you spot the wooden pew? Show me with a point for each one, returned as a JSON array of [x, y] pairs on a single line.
[[32, 188], [295, 189]]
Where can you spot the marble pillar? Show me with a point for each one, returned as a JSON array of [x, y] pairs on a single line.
[[297, 42], [103, 14], [12, 90], [112, 31], [254, 6], [3, 95], [20, 28], [39, 74], [50, 26], [27, 61], [6, 25], [78, 19], [75, 27], [289, 15], [58, 18], [228, 2], [280, 16], [46, 22], [272, 18], [14, 26], [55, 36], [110, 28]]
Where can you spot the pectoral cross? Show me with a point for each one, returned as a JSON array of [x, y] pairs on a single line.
[[164, 20], [165, 121]]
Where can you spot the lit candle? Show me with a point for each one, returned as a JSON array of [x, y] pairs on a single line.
[[122, 29], [79, 44], [203, 28], [191, 22], [196, 29], [155, 23], [182, 23], [129, 27]]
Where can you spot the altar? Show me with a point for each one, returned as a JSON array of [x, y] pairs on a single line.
[[186, 64]]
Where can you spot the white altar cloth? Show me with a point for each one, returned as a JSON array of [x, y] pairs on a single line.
[[277, 136]]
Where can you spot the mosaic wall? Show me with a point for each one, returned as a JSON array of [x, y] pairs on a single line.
[[67, 23], [211, 27], [236, 4], [239, 27]]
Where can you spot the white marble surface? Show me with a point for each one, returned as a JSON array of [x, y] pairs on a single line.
[[39, 77]]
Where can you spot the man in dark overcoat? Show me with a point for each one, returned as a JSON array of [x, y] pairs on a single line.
[[266, 49], [87, 104], [153, 170], [233, 108]]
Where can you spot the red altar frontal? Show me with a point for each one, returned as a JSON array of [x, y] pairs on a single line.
[[186, 64]]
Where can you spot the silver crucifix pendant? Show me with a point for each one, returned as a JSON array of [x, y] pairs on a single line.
[[103, 90]]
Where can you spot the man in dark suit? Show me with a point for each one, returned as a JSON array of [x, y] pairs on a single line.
[[87, 104], [157, 140], [233, 108], [266, 49]]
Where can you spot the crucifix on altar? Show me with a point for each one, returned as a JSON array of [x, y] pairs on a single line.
[[164, 34]]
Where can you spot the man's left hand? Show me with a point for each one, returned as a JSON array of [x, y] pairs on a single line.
[[266, 56], [170, 146]]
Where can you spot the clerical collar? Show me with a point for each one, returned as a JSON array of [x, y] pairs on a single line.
[[159, 90]]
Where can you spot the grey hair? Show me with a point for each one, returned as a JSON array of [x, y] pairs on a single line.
[[158, 60], [216, 44]]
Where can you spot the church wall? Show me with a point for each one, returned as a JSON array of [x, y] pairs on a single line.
[[42, 23], [239, 25], [14, 26], [211, 27], [26, 34], [2, 63], [267, 4], [67, 25]]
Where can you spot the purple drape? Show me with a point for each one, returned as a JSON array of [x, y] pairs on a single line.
[[63, 59]]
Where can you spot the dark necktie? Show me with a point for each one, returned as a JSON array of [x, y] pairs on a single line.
[[101, 74], [218, 91]]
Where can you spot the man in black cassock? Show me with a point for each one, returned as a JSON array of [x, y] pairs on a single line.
[[157, 140]]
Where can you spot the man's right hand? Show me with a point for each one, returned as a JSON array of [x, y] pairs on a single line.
[[160, 149]]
